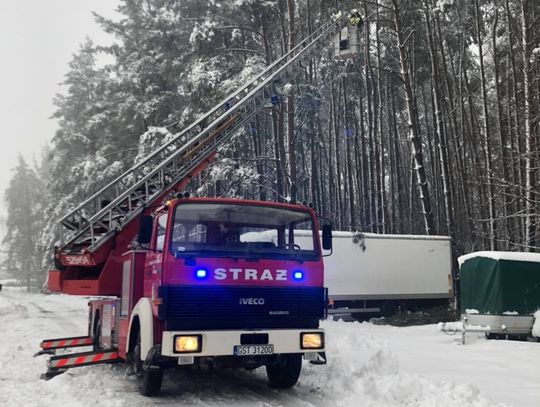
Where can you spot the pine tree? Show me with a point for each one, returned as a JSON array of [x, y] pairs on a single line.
[[24, 222]]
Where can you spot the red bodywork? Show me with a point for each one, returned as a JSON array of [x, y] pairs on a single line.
[[162, 268], [176, 272]]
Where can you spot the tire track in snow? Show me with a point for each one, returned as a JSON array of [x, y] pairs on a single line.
[[45, 311], [225, 387]]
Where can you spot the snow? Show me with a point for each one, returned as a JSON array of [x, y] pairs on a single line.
[[472, 311], [510, 313], [288, 88], [368, 365], [462, 326], [536, 326], [450, 326], [513, 256], [202, 32], [337, 233], [535, 54]]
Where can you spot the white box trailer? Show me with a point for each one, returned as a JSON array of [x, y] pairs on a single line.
[[378, 273]]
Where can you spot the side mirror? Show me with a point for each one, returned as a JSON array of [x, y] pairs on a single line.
[[145, 229], [327, 236]]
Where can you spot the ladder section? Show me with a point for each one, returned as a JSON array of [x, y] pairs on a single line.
[[93, 222]]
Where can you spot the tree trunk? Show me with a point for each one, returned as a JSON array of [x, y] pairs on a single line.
[[442, 145], [501, 137], [414, 131], [379, 138], [290, 111], [529, 132], [348, 121], [487, 144]]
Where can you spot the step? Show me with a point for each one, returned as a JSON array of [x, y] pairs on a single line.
[[61, 363]]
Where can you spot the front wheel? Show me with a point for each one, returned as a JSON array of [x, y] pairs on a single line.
[[149, 379], [284, 372]]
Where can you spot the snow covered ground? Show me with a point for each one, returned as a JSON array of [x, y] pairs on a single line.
[[369, 365]]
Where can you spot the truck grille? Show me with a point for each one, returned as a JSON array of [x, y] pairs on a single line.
[[226, 307]]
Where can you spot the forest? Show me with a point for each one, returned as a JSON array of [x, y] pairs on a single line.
[[433, 129]]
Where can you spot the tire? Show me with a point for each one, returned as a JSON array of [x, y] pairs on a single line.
[[96, 333], [390, 308], [149, 380], [284, 373]]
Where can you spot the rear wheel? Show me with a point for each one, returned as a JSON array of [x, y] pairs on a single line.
[[285, 371], [149, 379], [390, 308], [96, 333]]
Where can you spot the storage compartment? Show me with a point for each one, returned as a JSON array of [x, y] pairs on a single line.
[[54, 281]]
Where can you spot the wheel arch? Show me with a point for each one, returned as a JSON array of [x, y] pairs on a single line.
[[141, 320]]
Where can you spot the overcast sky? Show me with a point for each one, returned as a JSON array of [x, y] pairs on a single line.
[[37, 40]]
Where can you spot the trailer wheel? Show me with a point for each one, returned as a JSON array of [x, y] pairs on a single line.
[[491, 335], [285, 371], [149, 380], [390, 308]]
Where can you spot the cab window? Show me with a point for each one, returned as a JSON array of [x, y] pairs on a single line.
[[161, 225]]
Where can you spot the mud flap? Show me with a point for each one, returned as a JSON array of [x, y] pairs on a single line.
[[50, 373], [321, 359], [45, 352]]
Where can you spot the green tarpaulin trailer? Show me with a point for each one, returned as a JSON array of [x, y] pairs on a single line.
[[500, 290]]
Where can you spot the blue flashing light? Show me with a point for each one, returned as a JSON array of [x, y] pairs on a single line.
[[298, 275], [201, 273]]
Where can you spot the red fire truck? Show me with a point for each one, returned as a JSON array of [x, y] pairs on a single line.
[[196, 280], [219, 279]]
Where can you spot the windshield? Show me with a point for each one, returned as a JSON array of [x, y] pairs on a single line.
[[223, 229]]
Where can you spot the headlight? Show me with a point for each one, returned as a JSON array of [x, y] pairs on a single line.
[[312, 340], [187, 343]]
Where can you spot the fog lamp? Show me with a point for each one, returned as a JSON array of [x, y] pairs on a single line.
[[312, 340], [187, 343]]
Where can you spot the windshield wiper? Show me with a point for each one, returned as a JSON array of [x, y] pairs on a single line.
[[298, 259], [247, 254], [179, 254]]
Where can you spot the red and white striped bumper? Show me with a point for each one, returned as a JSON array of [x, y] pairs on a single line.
[[83, 359], [60, 343]]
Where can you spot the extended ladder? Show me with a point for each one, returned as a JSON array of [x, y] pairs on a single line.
[[92, 223]]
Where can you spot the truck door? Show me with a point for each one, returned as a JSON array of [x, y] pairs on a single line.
[[132, 279], [154, 258]]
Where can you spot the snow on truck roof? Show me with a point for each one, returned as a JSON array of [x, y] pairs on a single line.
[[337, 233], [350, 235], [514, 256]]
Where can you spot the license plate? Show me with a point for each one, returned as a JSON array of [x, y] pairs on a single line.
[[248, 350]]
